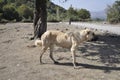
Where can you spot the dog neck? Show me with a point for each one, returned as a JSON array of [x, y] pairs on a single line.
[[82, 38], [78, 37]]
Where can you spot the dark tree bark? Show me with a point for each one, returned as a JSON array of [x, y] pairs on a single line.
[[40, 18]]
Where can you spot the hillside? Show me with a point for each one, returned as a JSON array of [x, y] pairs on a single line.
[[23, 10], [55, 12]]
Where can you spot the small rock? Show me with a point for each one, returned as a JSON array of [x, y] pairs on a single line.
[[18, 65]]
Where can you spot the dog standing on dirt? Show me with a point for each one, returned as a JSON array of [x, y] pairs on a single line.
[[69, 40]]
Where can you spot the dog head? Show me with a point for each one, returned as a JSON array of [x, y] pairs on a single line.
[[88, 34]]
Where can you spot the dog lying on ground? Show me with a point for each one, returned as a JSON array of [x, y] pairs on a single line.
[[69, 40]]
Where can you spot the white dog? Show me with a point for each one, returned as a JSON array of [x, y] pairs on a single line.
[[69, 40]]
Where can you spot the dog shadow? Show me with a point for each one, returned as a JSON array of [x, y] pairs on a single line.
[[106, 50], [106, 69]]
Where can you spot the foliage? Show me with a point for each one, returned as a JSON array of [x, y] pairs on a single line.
[[55, 12], [10, 9], [72, 14], [52, 18], [25, 11], [22, 10], [9, 12], [78, 15], [1, 5], [1, 16], [113, 12], [83, 14]]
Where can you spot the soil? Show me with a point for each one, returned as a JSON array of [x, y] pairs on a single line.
[[99, 60]]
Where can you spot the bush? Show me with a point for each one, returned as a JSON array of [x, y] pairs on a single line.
[[74, 18], [83, 14], [1, 16], [78, 15], [113, 13], [72, 14], [25, 12], [113, 20], [52, 18], [10, 13], [1, 3]]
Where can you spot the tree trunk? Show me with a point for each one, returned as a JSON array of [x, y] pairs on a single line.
[[40, 18]]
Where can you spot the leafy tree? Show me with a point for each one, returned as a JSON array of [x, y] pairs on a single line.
[[76, 15], [9, 12], [25, 11], [1, 5], [72, 14], [52, 18], [20, 2], [40, 18], [84, 14], [55, 12], [10, 1], [0, 16], [113, 12]]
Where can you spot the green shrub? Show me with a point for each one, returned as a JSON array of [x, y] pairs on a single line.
[[1, 3], [83, 14], [9, 12], [113, 20], [52, 18], [25, 12], [113, 13], [1, 16], [78, 15]]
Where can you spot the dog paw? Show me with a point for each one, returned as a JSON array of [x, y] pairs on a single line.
[[41, 63], [78, 67], [56, 62]]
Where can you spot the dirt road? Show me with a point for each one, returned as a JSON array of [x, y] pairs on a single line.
[[98, 60], [100, 26]]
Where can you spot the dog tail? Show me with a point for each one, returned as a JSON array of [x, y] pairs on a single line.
[[38, 43]]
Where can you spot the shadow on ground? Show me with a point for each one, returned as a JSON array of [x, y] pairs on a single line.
[[89, 66], [106, 50]]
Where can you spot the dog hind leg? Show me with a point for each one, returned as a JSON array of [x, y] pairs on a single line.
[[41, 54]]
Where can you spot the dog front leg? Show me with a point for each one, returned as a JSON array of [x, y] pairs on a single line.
[[51, 54], [73, 57], [73, 51]]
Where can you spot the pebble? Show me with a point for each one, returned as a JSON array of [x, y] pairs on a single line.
[[18, 65]]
